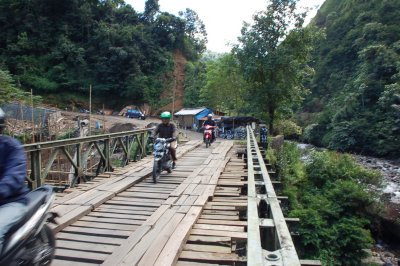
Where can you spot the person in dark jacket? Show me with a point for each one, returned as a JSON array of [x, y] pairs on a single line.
[[210, 122], [12, 167], [166, 130], [12, 181]]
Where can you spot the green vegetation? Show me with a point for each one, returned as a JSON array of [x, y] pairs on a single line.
[[9, 92], [64, 46], [329, 195], [357, 77], [225, 87], [274, 59]]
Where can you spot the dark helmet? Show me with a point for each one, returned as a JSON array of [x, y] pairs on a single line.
[[2, 119]]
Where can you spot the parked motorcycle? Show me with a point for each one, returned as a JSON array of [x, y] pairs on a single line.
[[207, 134], [162, 157], [30, 241]]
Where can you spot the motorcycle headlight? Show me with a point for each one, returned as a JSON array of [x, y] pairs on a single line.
[[158, 146]]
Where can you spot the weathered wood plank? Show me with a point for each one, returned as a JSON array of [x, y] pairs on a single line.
[[207, 248], [134, 255], [87, 238], [219, 227], [170, 253], [84, 246], [97, 231], [152, 253], [233, 235], [208, 256], [118, 255]]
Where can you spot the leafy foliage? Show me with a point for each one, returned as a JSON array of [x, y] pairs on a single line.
[[9, 92], [329, 196], [357, 77], [225, 86], [274, 58], [288, 128]]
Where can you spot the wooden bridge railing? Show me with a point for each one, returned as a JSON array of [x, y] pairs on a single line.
[[269, 239], [78, 150]]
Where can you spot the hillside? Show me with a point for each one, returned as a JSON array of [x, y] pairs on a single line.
[[61, 48], [357, 78]]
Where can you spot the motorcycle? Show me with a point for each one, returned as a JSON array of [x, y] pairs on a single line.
[[162, 157], [207, 134], [30, 241]]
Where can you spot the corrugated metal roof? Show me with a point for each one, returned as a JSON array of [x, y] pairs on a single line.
[[190, 111]]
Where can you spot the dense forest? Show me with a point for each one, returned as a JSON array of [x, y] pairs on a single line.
[[60, 48], [357, 78]]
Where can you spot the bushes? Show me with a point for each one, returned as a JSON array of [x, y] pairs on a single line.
[[289, 129], [331, 166], [329, 195], [312, 134]]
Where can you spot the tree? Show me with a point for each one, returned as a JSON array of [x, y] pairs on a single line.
[[225, 86], [195, 79], [273, 56], [151, 9], [195, 32]]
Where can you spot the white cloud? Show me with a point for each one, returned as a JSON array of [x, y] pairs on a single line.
[[223, 18]]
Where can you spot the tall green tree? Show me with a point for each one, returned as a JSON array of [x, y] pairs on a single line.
[[225, 86], [273, 53], [151, 8], [195, 79], [196, 41]]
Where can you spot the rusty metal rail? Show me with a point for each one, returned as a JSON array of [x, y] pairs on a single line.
[[78, 150]]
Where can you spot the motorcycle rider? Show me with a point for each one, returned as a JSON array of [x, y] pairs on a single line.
[[12, 180], [166, 130], [210, 122]]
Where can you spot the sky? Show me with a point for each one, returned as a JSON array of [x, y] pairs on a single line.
[[223, 19]]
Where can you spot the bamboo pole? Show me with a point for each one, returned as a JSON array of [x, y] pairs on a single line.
[[90, 106], [33, 120]]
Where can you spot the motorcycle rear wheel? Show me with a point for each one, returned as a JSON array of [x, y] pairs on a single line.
[[156, 171], [207, 143]]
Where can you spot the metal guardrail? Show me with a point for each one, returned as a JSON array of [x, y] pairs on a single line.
[[103, 145], [269, 239]]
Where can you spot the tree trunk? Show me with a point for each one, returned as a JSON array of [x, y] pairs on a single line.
[[271, 113]]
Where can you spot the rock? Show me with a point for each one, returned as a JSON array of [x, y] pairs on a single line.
[[122, 127]]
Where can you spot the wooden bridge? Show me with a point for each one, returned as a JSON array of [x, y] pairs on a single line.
[[220, 206]]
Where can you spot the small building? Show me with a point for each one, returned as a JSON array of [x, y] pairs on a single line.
[[189, 118]]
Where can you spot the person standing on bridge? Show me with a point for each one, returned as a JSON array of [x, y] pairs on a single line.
[[12, 180], [166, 130]]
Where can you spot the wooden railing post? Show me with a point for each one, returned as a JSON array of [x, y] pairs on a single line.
[[107, 154], [36, 174]]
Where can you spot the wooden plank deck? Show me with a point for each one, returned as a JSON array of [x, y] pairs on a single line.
[[132, 218], [196, 215]]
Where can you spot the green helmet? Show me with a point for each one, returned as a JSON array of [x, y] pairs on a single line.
[[165, 115]]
